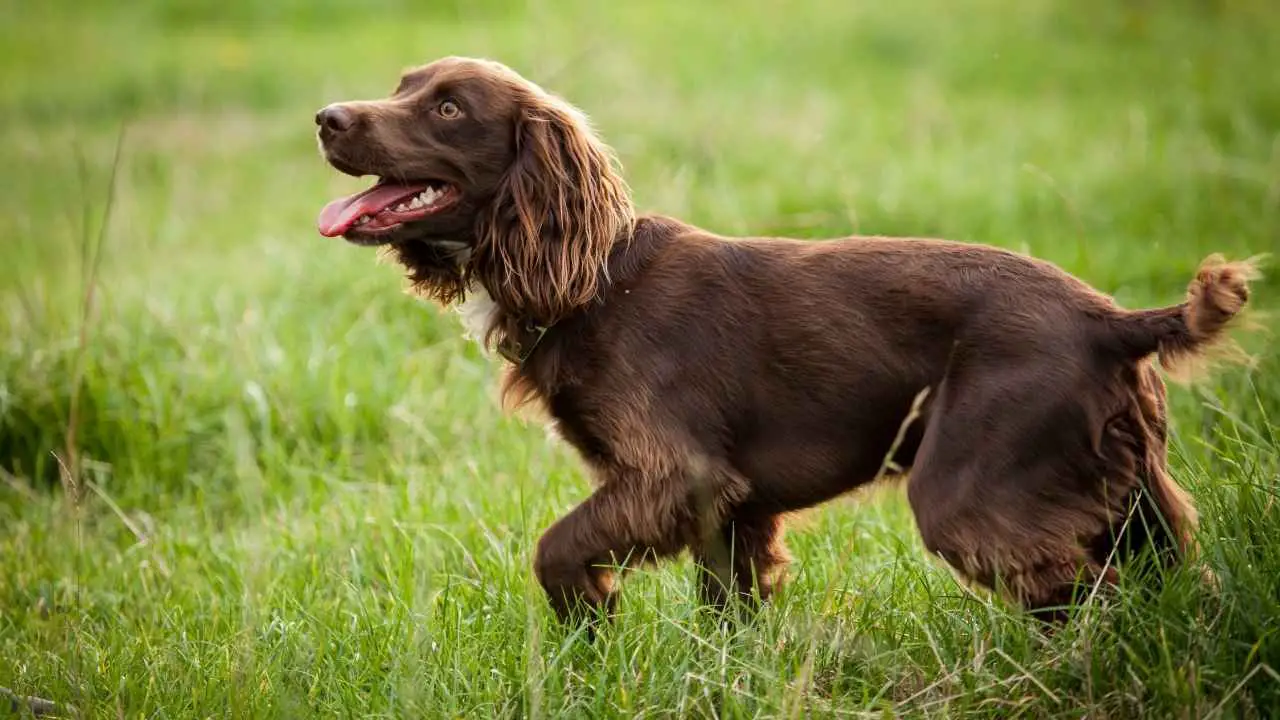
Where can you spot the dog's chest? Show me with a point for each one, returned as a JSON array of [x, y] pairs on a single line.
[[478, 312]]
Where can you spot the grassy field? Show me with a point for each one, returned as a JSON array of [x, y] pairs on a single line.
[[243, 474]]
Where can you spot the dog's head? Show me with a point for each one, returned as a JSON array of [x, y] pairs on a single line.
[[481, 176]]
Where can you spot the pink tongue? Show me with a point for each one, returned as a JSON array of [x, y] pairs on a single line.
[[338, 216]]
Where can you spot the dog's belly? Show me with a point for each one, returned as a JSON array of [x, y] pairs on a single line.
[[800, 444], [802, 469]]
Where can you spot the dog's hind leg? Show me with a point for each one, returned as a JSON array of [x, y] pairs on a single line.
[[1008, 485], [1160, 517]]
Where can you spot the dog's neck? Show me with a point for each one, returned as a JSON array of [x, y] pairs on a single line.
[[517, 335], [481, 316]]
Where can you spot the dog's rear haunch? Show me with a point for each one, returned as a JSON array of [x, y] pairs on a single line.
[[712, 384]]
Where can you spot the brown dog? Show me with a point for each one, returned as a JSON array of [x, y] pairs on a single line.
[[713, 384]]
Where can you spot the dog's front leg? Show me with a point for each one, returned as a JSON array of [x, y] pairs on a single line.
[[629, 520], [745, 558]]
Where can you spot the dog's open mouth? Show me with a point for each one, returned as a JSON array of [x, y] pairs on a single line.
[[384, 207]]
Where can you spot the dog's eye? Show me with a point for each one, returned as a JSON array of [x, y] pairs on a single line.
[[449, 110]]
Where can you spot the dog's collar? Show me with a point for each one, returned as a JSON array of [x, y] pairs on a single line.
[[518, 346]]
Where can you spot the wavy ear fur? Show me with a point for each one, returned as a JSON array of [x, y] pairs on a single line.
[[544, 240]]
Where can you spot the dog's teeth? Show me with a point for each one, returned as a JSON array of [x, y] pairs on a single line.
[[416, 202]]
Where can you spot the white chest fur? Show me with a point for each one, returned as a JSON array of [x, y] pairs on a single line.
[[478, 312]]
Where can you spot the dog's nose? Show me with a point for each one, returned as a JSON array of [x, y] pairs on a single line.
[[335, 118]]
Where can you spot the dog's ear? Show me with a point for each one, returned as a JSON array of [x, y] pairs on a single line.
[[544, 240]]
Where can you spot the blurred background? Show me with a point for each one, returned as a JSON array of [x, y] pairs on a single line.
[[223, 436]]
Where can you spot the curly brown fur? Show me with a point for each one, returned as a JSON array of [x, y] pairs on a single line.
[[544, 238], [712, 385]]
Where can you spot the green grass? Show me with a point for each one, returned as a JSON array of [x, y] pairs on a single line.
[[292, 493]]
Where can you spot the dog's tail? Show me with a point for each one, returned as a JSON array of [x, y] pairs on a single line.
[[1184, 336]]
